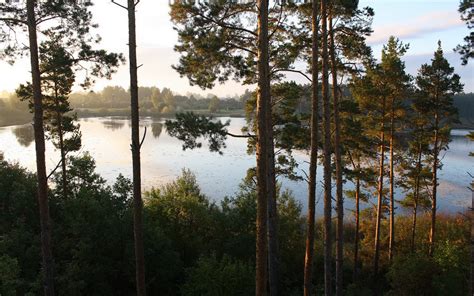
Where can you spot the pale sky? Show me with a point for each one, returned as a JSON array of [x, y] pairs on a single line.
[[421, 23]]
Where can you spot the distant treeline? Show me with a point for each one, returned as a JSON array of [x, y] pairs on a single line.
[[152, 98], [465, 105], [163, 101]]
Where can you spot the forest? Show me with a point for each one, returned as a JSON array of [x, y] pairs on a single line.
[[377, 134]]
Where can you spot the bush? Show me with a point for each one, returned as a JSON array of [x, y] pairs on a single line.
[[213, 277], [413, 275]]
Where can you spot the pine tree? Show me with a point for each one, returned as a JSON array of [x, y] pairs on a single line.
[[57, 80], [74, 19], [371, 96], [356, 154], [436, 84], [136, 145], [398, 84], [313, 164], [222, 40]]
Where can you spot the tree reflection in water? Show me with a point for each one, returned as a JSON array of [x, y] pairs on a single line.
[[113, 124], [24, 134], [156, 129]]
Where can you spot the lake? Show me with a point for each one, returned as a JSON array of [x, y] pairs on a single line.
[[108, 141]]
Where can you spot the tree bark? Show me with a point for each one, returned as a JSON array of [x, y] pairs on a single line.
[[416, 199], [356, 239], [435, 187], [337, 154], [273, 258], [327, 156], [391, 243], [313, 163], [135, 137], [63, 156], [62, 149], [48, 264], [380, 192], [263, 105]]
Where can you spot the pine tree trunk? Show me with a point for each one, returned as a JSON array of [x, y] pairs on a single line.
[[63, 155], [357, 225], [391, 244], [273, 262], [434, 188], [62, 149], [137, 190], [263, 105], [337, 154], [48, 264], [313, 163], [327, 156], [380, 193], [416, 199]]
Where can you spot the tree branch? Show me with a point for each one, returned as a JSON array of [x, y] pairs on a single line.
[[293, 71], [226, 25], [118, 4], [12, 20], [144, 135], [240, 136]]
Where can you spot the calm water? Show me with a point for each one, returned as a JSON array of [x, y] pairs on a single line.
[[108, 141]]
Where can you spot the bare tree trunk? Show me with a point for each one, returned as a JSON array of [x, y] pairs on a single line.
[[62, 149], [416, 199], [273, 262], [391, 243], [137, 189], [313, 163], [48, 264], [327, 155], [337, 154], [356, 240], [63, 155], [380, 193], [263, 105], [435, 187]]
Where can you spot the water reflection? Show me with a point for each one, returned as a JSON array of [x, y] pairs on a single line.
[[24, 134], [113, 124], [108, 141], [156, 129]]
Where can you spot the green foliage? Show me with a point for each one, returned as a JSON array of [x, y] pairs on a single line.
[[217, 40], [413, 275], [19, 228], [436, 85], [185, 215], [451, 258], [445, 273], [193, 245], [189, 127], [466, 50], [57, 82], [9, 273], [214, 277]]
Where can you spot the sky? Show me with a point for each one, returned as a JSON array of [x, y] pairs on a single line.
[[420, 23]]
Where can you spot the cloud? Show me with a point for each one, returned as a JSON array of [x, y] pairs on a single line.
[[418, 27]]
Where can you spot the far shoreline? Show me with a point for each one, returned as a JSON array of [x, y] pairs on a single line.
[[98, 113]]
